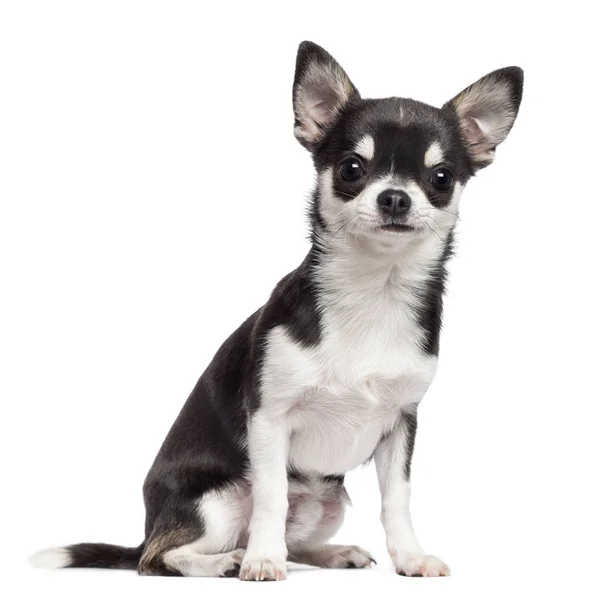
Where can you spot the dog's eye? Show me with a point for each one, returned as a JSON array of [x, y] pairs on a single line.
[[442, 179], [351, 169]]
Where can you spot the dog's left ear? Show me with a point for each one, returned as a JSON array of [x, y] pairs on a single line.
[[321, 91], [486, 111]]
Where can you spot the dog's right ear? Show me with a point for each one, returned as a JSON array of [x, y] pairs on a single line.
[[321, 91]]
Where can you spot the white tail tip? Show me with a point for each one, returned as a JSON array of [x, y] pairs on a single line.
[[51, 559]]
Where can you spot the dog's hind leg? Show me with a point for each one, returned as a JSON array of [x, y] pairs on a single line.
[[188, 562], [332, 556], [187, 559], [201, 537], [174, 527], [315, 519]]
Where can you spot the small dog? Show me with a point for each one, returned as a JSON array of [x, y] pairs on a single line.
[[329, 372]]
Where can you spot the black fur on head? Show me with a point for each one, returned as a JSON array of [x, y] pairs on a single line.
[[327, 104], [427, 153]]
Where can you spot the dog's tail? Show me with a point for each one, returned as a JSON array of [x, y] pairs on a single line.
[[89, 555]]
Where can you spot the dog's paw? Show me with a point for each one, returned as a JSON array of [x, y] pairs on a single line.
[[421, 565], [263, 568], [347, 556], [228, 565]]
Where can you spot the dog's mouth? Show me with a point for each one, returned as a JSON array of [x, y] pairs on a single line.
[[392, 227]]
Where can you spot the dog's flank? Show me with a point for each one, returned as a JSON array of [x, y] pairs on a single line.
[[328, 374]]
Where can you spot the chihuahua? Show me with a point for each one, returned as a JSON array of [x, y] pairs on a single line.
[[329, 373]]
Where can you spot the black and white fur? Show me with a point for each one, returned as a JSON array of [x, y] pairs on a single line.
[[329, 373]]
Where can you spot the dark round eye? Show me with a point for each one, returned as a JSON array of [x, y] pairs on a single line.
[[442, 179], [351, 169]]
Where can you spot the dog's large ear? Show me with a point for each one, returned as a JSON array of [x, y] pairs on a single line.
[[487, 110], [321, 91]]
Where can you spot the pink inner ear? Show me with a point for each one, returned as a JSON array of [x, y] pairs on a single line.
[[320, 112], [473, 131], [321, 107]]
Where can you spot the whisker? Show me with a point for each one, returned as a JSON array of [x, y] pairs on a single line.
[[434, 222], [433, 231], [346, 208], [345, 194], [455, 213], [346, 225]]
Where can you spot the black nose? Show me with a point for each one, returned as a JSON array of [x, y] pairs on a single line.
[[393, 203]]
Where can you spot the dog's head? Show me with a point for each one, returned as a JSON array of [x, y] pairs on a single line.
[[391, 169]]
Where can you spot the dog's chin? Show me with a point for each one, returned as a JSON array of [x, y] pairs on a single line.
[[380, 235], [385, 237]]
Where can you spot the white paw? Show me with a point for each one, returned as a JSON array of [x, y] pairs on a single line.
[[420, 565], [348, 556], [263, 568], [229, 563]]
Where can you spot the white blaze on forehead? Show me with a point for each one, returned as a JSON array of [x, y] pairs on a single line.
[[434, 155], [365, 148]]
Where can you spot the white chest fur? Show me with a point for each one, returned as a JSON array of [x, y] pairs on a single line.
[[339, 397]]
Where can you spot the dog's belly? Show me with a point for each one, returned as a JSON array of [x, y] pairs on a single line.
[[332, 434]]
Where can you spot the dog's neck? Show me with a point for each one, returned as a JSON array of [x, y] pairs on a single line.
[[344, 262]]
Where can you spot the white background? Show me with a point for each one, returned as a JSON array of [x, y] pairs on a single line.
[[153, 194]]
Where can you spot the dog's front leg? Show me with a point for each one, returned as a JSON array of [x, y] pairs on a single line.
[[393, 459], [268, 444]]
